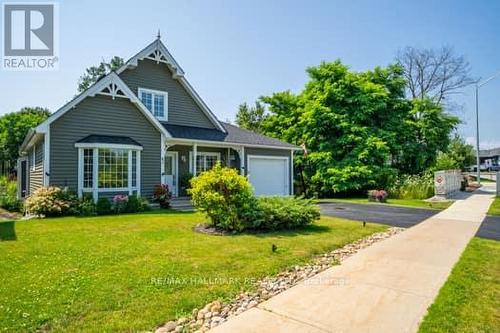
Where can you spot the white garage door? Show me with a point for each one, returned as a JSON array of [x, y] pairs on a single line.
[[269, 175]]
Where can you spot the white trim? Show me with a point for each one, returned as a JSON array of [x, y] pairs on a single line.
[[138, 175], [158, 93], [192, 160], [163, 149], [162, 55], [242, 162], [46, 158], [220, 144], [287, 172], [80, 172], [107, 146], [111, 80], [129, 172], [95, 174]]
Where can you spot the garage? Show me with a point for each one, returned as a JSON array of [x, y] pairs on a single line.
[[269, 175]]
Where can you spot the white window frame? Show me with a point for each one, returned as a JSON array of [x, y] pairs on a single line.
[[201, 153], [153, 93], [95, 189]]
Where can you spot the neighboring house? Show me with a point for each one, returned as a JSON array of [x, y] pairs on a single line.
[[490, 159], [141, 126]]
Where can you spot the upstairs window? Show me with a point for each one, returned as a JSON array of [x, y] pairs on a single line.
[[156, 102]]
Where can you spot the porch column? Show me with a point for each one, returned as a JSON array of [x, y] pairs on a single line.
[[195, 152], [242, 160]]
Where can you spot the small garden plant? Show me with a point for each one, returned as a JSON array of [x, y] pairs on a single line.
[[227, 199], [162, 195], [8, 195]]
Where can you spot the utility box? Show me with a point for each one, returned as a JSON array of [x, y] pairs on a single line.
[[447, 183]]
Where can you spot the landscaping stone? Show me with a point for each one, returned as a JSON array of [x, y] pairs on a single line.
[[215, 313]]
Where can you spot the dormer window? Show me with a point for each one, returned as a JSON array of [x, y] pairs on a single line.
[[156, 102]]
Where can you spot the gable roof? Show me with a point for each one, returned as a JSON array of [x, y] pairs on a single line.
[[158, 52], [110, 85], [233, 135]]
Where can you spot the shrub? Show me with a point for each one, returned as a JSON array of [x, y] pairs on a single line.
[[162, 195], [136, 204], [8, 195], [377, 195], [413, 187], [284, 213], [224, 196], [50, 201], [120, 203], [103, 206], [86, 206]]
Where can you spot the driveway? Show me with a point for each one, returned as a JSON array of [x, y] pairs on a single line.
[[404, 217]]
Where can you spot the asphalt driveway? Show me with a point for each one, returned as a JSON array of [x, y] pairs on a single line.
[[404, 217]]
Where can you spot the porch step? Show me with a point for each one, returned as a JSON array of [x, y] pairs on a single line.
[[182, 204]]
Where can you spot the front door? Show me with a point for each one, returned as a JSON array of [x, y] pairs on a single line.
[[23, 176], [170, 176]]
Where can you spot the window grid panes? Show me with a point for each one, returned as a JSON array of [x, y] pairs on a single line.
[[205, 162], [113, 168], [147, 100], [88, 166], [159, 106]]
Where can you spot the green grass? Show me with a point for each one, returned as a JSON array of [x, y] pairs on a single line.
[[470, 299], [395, 202], [104, 274], [495, 207]]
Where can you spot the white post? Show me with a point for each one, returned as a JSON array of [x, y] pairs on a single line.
[[242, 161], [195, 152], [162, 158], [291, 173]]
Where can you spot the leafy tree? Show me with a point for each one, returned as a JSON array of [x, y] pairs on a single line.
[[14, 127], [251, 117], [427, 132], [459, 155], [94, 73]]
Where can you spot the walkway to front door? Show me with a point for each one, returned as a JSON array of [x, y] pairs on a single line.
[[384, 288]]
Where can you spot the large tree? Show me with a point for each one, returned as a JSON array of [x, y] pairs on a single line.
[[93, 73], [359, 128], [251, 117], [434, 73], [13, 129]]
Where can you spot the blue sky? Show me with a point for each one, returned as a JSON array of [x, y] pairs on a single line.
[[236, 51]]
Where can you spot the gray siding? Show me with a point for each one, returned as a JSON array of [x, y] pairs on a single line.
[[36, 171], [270, 152], [102, 116], [182, 109]]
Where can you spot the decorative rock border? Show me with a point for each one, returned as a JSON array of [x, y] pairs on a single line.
[[215, 313]]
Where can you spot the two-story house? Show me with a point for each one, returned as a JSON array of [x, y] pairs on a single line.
[[141, 126]]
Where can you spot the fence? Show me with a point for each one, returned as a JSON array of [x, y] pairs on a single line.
[[447, 182]]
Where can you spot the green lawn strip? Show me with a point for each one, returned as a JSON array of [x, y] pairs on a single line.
[[470, 299], [415, 203], [134, 272], [495, 207]]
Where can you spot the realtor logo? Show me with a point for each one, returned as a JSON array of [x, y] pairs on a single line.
[[30, 36]]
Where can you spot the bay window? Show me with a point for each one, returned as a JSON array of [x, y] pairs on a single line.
[[156, 102], [109, 168]]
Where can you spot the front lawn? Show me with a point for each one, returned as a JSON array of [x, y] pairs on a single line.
[[395, 202], [470, 299], [495, 207], [134, 272]]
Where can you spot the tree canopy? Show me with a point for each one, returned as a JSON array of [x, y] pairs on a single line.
[[359, 128], [93, 73], [251, 117], [13, 129]]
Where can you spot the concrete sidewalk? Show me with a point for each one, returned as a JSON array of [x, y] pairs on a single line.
[[384, 288]]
